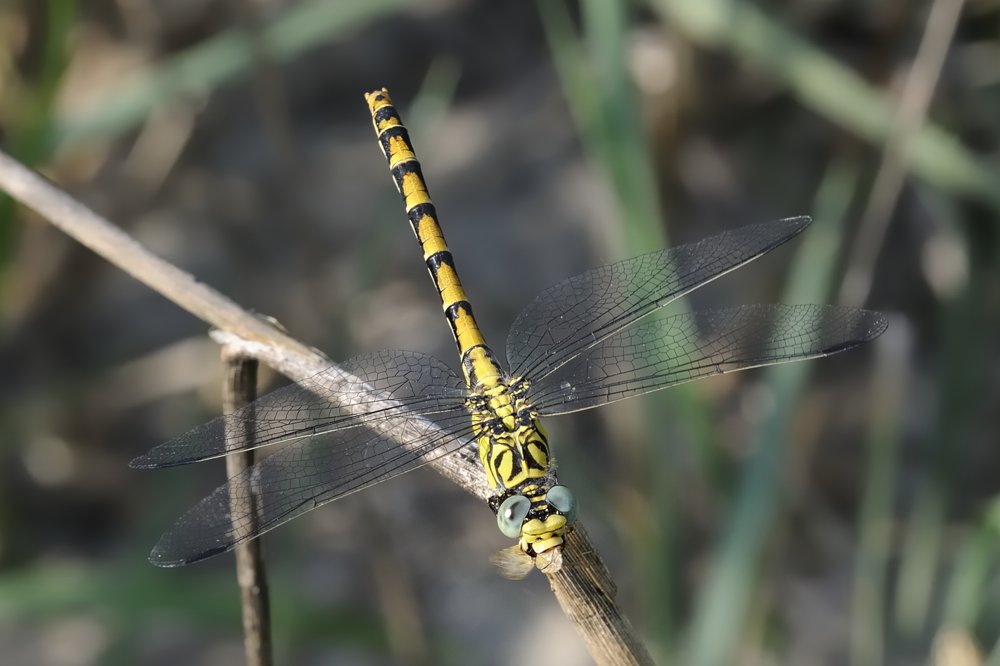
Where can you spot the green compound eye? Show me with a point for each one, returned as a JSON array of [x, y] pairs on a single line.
[[561, 498], [511, 514]]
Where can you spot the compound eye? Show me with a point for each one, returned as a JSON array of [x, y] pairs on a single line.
[[562, 500], [511, 514]]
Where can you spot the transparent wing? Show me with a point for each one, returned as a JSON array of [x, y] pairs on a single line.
[[579, 312], [512, 562], [662, 352], [304, 475], [363, 390]]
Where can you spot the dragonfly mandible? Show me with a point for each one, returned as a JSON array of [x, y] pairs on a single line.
[[588, 341]]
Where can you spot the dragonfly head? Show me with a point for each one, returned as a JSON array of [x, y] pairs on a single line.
[[539, 522]]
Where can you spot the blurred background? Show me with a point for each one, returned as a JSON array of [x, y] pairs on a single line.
[[841, 511]]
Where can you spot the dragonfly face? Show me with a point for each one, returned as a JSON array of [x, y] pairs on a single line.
[[538, 517], [514, 451]]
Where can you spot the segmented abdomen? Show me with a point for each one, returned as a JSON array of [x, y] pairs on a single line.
[[478, 362]]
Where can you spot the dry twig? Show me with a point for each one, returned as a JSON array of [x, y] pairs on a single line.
[[239, 390]]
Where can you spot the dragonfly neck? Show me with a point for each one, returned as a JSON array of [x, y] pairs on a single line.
[[478, 362]]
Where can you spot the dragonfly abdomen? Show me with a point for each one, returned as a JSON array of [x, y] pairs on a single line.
[[478, 362]]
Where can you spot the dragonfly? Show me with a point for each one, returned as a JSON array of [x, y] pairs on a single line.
[[588, 341]]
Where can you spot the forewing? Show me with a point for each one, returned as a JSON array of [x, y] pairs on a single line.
[[577, 313], [304, 475], [363, 390], [661, 352]]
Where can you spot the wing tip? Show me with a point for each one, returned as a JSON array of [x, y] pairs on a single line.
[[142, 462], [794, 225], [152, 460], [867, 325], [877, 323], [164, 559]]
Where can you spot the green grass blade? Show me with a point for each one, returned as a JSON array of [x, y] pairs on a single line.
[[600, 95]]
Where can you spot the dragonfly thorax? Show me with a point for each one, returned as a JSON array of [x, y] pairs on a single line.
[[513, 447]]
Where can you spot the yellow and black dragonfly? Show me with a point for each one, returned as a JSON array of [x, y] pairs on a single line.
[[588, 341]]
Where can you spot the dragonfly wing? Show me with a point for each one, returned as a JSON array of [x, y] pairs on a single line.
[[662, 352], [575, 314], [365, 389], [512, 562], [304, 475]]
